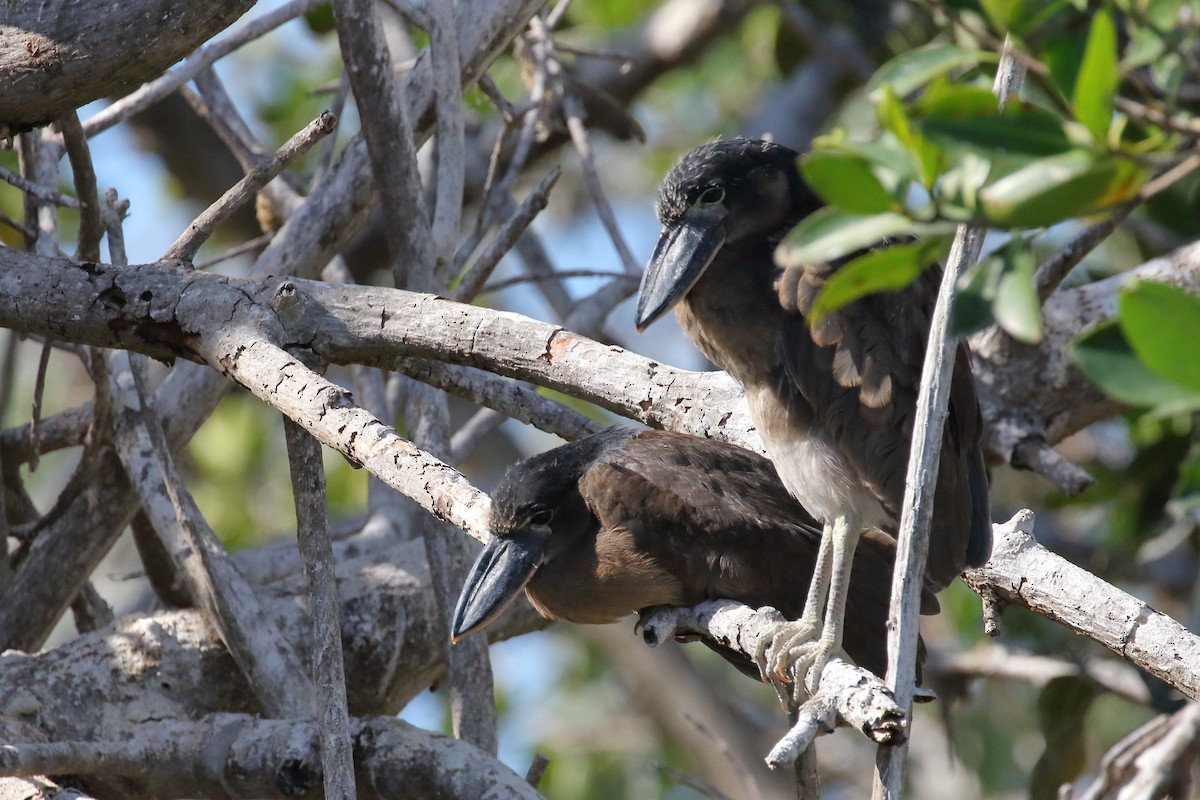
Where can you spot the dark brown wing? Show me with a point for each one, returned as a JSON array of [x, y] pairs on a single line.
[[717, 517], [858, 371]]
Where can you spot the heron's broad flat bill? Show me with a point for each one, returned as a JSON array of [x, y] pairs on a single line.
[[684, 250], [498, 575]]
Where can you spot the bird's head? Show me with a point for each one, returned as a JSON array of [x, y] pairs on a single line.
[[722, 193], [536, 512]]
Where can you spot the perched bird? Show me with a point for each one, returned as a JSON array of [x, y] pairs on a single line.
[[835, 401], [622, 521]]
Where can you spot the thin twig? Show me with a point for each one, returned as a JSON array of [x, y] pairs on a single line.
[[150, 93], [389, 140], [507, 110], [537, 768], [243, 191], [91, 229], [504, 239], [482, 220], [316, 549], [113, 214], [472, 704], [447, 86], [336, 107], [1052, 271], [28, 233], [497, 193], [8, 364], [41, 152], [39, 391], [557, 13], [245, 247], [44, 193], [511, 398], [214, 105], [1189, 126], [921, 476], [505, 283], [573, 109], [469, 435]]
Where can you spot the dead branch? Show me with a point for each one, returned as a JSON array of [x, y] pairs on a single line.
[[59, 56], [240, 756], [1023, 572], [847, 694]]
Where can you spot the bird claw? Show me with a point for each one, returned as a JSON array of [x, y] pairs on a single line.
[[815, 655], [785, 652]]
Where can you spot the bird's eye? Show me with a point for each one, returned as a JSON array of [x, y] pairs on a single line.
[[711, 196], [541, 518]]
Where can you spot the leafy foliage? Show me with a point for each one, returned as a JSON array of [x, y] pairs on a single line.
[[943, 152]]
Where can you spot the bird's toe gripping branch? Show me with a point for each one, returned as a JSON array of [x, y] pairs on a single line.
[[846, 694]]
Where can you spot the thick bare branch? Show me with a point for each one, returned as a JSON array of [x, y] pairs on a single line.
[[240, 756], [1023, 572], [57, 56]]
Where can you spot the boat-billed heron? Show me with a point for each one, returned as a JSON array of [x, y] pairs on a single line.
[[835, 401], [622, 521]]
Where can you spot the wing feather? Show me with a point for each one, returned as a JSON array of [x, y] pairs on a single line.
[[858, 370]]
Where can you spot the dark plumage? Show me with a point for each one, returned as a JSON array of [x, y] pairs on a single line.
[[622, 521], [834, 402]]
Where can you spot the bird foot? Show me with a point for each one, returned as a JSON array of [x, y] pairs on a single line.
[[796, 653], [814, 656], [776, 658]]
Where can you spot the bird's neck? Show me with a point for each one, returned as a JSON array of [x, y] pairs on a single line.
[[732, 314]]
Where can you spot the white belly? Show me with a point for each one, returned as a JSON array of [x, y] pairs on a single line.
[[812, 468]]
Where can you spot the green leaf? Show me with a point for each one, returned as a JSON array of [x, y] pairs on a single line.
[[846, 181], [1163, 14], [886, 153], [1026, 134], [972, 309], [1016, 306], [882, 270], [1145, 46], [1098, 77], [320, 19], [1002, 13], [1050, 190], [1105, 356], [959, 186], [910, 71], [1162, 324], [945, 99], [832, 233], [1063, 54], [925, 156]]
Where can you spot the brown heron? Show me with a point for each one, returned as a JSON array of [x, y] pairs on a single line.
[[835, 401], [623, 521]]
